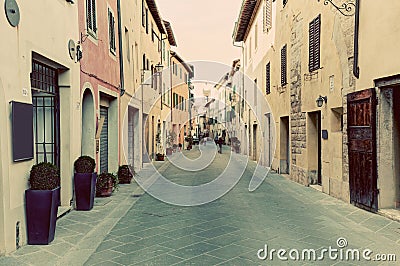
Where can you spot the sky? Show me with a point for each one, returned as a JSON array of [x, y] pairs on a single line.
[[203, 28]]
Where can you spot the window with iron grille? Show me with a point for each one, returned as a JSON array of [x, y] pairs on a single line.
[[46, 118], [91, 16], [267, 25], [111, 31], [314, 44], [284, 65], [268, 78]]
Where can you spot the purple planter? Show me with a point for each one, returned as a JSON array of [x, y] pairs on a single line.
[[41, 214], [85, 186]]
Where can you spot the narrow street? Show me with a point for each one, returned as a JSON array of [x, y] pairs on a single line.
[[230, 230], [134, 228]]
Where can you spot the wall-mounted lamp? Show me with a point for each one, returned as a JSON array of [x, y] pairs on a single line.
[[321, 99], [158, 68]]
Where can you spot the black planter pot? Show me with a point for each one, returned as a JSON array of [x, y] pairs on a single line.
[[85, 186], [41, 214]]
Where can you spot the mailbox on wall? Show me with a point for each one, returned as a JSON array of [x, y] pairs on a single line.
[[22, 131]]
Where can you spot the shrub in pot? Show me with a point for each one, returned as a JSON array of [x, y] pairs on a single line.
[[41, 203], [159, 157], [125, 174], [84, 182], [106, 184]]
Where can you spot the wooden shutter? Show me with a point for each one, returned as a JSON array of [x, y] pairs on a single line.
[[89, 14], [268, 78], [94, 28], [112, 32], [314, 44], [311, 46], [268, 14], [109, 28], [317, 40], [283, 65]]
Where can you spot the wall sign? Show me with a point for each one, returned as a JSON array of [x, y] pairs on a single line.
[[22, 131]]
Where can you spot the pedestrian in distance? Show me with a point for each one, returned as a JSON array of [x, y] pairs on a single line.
[[220, 141]]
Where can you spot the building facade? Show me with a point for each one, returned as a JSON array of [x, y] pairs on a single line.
[[41, 73], [296, 53]]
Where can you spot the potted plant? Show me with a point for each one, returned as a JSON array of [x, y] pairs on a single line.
[[106, 184], [84, 182], [170, 142], [125, 174], [159, 157], [41, 203]]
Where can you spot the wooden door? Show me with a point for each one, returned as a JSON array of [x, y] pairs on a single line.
[[361, 118]]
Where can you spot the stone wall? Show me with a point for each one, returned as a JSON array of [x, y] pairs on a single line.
[[297, 118]]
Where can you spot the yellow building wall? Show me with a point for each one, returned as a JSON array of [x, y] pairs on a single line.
[[18, 44]]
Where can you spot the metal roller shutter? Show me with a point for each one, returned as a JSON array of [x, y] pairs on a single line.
[[104, 141]]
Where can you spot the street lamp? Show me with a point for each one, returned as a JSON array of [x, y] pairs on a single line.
[[321, 99]]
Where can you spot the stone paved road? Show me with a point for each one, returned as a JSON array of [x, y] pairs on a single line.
[[230, 230]]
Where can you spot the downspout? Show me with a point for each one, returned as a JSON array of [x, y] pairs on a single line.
[[121, 71], [356, 68], [121, 58]]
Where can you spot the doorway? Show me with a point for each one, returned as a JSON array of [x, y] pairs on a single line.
[[361, 130], [284, 146], [254, 142], [314, 150], [88, 124]]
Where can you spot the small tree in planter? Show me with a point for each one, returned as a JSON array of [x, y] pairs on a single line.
[[41, 203], [84, 182], [170, 142], [125, 174], [106, 184]]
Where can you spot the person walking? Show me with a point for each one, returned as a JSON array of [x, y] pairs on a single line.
[[220, 141]]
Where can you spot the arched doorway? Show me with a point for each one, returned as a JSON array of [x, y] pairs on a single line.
[[88, 124]]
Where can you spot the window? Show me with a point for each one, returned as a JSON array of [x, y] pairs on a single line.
[[111, 31], [284, 65], [152, 32], [46, 117], [173, 67], [267, 25], [127, 48], [250, 49], [314, 44], [147, 21], [255, 37], [284, 2], [163, 50], [143, 14], [91, 16], [180, 73], [268, 78]]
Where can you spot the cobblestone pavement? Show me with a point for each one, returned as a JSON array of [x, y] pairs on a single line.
[[229, 231]]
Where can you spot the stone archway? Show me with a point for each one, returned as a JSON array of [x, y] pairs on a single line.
[[88, 124]]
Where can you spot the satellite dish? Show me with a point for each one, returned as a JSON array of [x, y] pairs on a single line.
[[12, 12], [72, 49]]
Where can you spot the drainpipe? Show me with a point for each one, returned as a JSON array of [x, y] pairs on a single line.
[[121, 58], [356, 69]]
